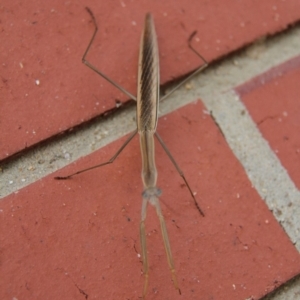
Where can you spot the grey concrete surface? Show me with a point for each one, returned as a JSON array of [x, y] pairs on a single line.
[[214, 87]]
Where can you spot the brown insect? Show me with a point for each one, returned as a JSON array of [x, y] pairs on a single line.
[[148, 97]]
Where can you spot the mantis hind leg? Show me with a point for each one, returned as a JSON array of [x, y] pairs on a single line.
[[144, 245], [167, 245], [155, 202]]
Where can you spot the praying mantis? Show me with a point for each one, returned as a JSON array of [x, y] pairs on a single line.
[[148, 97]]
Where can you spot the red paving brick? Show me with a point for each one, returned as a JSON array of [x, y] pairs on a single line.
[[68, 239], [45, 41], [272, 100]]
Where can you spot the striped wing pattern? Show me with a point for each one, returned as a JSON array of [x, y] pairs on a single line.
[[148, 79]]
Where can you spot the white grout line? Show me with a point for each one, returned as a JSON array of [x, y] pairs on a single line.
[[289, 291], [262, 166]]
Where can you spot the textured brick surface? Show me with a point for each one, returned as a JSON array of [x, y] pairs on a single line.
[[45, 89], [273, 102], [69, 239]]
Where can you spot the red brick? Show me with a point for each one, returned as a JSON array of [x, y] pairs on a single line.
[[49, 39], [61, 239]]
